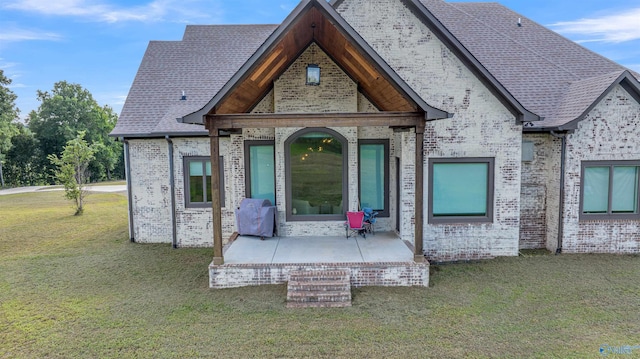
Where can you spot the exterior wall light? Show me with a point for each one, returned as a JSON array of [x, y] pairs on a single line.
[[313, 75]]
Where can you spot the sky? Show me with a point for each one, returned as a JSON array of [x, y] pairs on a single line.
[[99, 43]]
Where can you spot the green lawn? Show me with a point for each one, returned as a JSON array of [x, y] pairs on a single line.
[[75, 287]]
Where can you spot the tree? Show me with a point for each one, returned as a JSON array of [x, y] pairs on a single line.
[[8, 114], [64, 111], [22, 165], [72, 169]]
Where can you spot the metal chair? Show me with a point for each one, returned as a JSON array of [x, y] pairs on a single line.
[[355, 224], [370, 219]]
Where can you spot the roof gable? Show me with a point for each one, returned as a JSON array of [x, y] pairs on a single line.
[[315, 21], [586, 94]]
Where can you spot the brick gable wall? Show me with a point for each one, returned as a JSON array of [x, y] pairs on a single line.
[[610, 131], [481, 126]]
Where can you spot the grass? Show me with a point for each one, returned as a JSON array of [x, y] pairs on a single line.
[[76, 287]]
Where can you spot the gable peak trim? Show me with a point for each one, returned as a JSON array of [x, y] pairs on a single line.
[[352, 38]]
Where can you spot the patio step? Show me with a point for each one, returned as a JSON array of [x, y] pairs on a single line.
[[319, 288]]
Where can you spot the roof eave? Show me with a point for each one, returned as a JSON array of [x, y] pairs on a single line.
[[160, 134]]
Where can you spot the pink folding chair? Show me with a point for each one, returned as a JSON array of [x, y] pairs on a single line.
[[355, 224]]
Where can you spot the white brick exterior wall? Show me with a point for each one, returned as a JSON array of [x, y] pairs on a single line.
[[481, 127], [265, 105], [150, 191], [336, 92], [610, 131], [540, 193], [364, 105], [194, 225]]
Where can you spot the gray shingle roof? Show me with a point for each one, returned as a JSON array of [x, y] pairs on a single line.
[[537, 65], [547, 73], [200, 64]]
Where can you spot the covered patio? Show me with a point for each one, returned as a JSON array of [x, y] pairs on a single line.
[[361, 98], [382, 259]]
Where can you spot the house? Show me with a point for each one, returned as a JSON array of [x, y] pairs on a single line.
[[523, 139]]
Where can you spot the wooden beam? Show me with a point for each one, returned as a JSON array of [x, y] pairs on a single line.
[[277, 67], [387, 119], [419, 212], [218, 259], [258, 72]]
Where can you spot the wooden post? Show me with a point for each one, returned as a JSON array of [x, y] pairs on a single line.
[[419, 183], [218, 259]]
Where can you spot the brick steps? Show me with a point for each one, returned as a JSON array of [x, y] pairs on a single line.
[[319, 289]]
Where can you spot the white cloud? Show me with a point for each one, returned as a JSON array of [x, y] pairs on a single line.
[[614, 28], [17, 34], [99, 11]]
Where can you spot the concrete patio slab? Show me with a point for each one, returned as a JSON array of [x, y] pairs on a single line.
[[317, 250], [251, 250], [382, 247]]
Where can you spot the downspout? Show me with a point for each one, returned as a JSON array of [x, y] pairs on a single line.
[[127, 173], [174, 236], [563, 152]]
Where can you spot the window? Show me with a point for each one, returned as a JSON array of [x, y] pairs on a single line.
[[316, 175], [461, 190], [197, 173], [609, 190], [373, 175], [527, 151], [260, 170]]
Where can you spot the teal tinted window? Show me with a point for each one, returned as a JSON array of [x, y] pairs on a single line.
[[374, 177], [596, 190], [262, 172], [610, 190], [624, 198], [460, 189]]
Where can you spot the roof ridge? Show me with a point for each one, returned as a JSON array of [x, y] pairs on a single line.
[[516, 41]]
